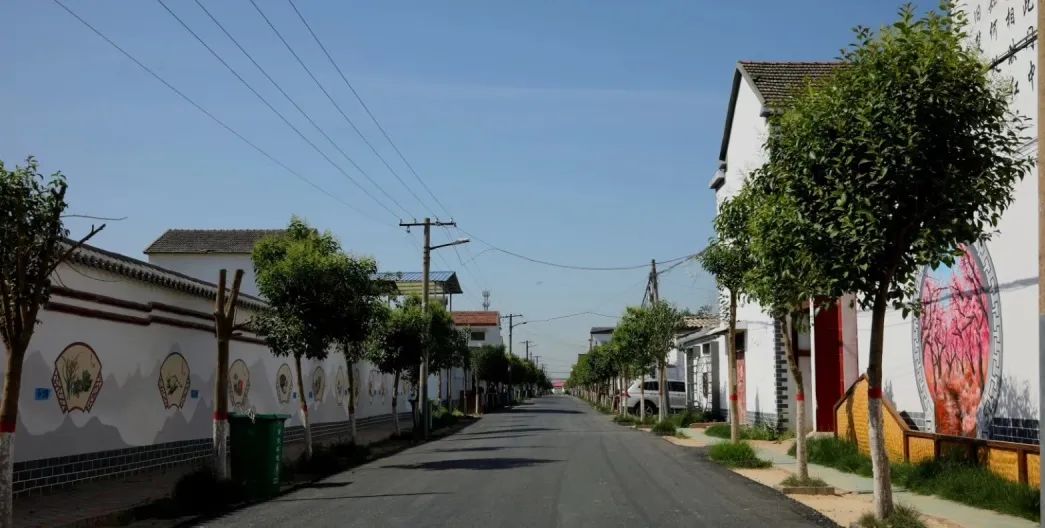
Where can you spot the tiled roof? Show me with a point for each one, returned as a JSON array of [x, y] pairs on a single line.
[[776, 82], [116, 263], [696, 322], [409, 282], [209, 240], [602, 330], [477, 318]]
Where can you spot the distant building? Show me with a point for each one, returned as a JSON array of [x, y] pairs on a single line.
[[600, 335], [484, 328], [200, 253]]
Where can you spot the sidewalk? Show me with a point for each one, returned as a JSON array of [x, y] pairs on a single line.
[[858, 490], [108, 502]]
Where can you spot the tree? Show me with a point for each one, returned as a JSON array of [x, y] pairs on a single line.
[[899, 158], [399, 347], [299, 272], [224, 325], [447, 345], [728, 258], [630, 339], [35, 242], [786, 275], [489, 364], [361, 312]]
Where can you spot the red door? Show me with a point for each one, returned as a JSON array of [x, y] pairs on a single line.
[[830, 385]]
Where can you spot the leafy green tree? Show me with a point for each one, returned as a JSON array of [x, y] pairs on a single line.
[[786, 276], [361, 313], [650, 332], [901, 157], [298, 273], [490, 366], [631, 338], [728, 258], [447, 345], [33, 243], [400, 347]]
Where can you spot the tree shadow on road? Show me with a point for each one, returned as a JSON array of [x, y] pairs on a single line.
[[484, 448], [509, 430], [474, 463], [546, 411], [481, 438], [338, 497]]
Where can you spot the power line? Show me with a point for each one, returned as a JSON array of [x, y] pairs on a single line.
[[571, 266], [571, 315], [293, 102], [207, 113], [332, 100], [274, 110], [368, 112]]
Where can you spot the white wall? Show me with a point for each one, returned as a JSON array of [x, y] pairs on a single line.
[[129, 410], [491, 336], [206, 266]]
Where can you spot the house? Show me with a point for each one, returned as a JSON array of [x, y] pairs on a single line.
[[978, 338], [600, 335], [200, 253], [442, 285], [483, 327]]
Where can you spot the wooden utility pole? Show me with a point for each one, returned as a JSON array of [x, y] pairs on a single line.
[[662, 370], [422, 383], [528, 343], [511, 326]]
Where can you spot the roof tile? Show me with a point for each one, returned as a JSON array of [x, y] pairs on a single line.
[[209, 240], [778, 81], [477, 318]]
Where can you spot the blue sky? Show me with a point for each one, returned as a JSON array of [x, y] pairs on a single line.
[[575, 132]]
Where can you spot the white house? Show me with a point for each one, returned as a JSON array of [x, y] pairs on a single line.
[[980, 337], [200, 253]]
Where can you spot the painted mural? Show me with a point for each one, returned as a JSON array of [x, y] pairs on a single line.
[[340, 385], [284, 383], [319, 384], [239, 383], [957, 349], [173, 380], [77, 378]]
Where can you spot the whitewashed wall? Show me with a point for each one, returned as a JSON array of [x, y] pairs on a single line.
[[129, 410], [206, 266]]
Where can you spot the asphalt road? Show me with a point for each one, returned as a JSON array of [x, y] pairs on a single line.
[[550, 463]]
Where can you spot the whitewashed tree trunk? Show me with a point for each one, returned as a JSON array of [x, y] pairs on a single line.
[[731, 351], [642, 396], [883, 490], [305, 422], [662, 389], [221, 447], [800, 410]]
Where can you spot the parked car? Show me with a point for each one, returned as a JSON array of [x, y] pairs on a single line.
[[676, 396]]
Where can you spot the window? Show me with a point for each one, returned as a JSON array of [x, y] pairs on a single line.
[[650, 386], [478, 336], [677, 386]]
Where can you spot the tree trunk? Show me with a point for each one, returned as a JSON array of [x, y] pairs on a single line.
[[883, 491], [395, 402], [731, 351], [221, 412], [304, 409], [351, 398], [662, 388], [800, 409], [642, 396], [475, 387], [8, 421]]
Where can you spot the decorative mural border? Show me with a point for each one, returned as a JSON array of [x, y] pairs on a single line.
[[989, 399]]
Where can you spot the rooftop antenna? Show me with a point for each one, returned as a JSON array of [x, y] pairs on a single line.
[[486, 300]]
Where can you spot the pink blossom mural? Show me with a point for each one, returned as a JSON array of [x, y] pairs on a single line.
[[956, 343]]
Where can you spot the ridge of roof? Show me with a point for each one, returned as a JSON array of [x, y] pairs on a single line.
[[199, 241]]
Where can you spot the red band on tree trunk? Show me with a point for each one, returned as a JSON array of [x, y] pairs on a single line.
[[220, 416], [732, 397], [800, 397], [874, 393], [8, 426]]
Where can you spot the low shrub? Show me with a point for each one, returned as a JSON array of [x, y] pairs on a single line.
[[648, 421], [624, 419], [664, 428], [956, 479], [748, 432], [903, 517], [738, 455], [683, 419], [203, 492], [794, 481]]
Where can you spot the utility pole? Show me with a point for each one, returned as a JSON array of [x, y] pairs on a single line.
[[511, 326], [662, 371], [422, 383], [528, 343]]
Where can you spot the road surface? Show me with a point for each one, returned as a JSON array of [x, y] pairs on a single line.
[[549, 463]]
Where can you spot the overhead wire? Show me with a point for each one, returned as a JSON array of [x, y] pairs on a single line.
[[275, 111], [293, 102], [329, 97], [211, 116]]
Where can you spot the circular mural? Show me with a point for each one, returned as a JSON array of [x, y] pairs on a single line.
[[239, 382], [958, 345], [77, 378], [340, 385], [174, 380], [284, 383], [319, 384]]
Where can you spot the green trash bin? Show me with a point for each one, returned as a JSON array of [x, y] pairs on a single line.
[[257, 452]]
